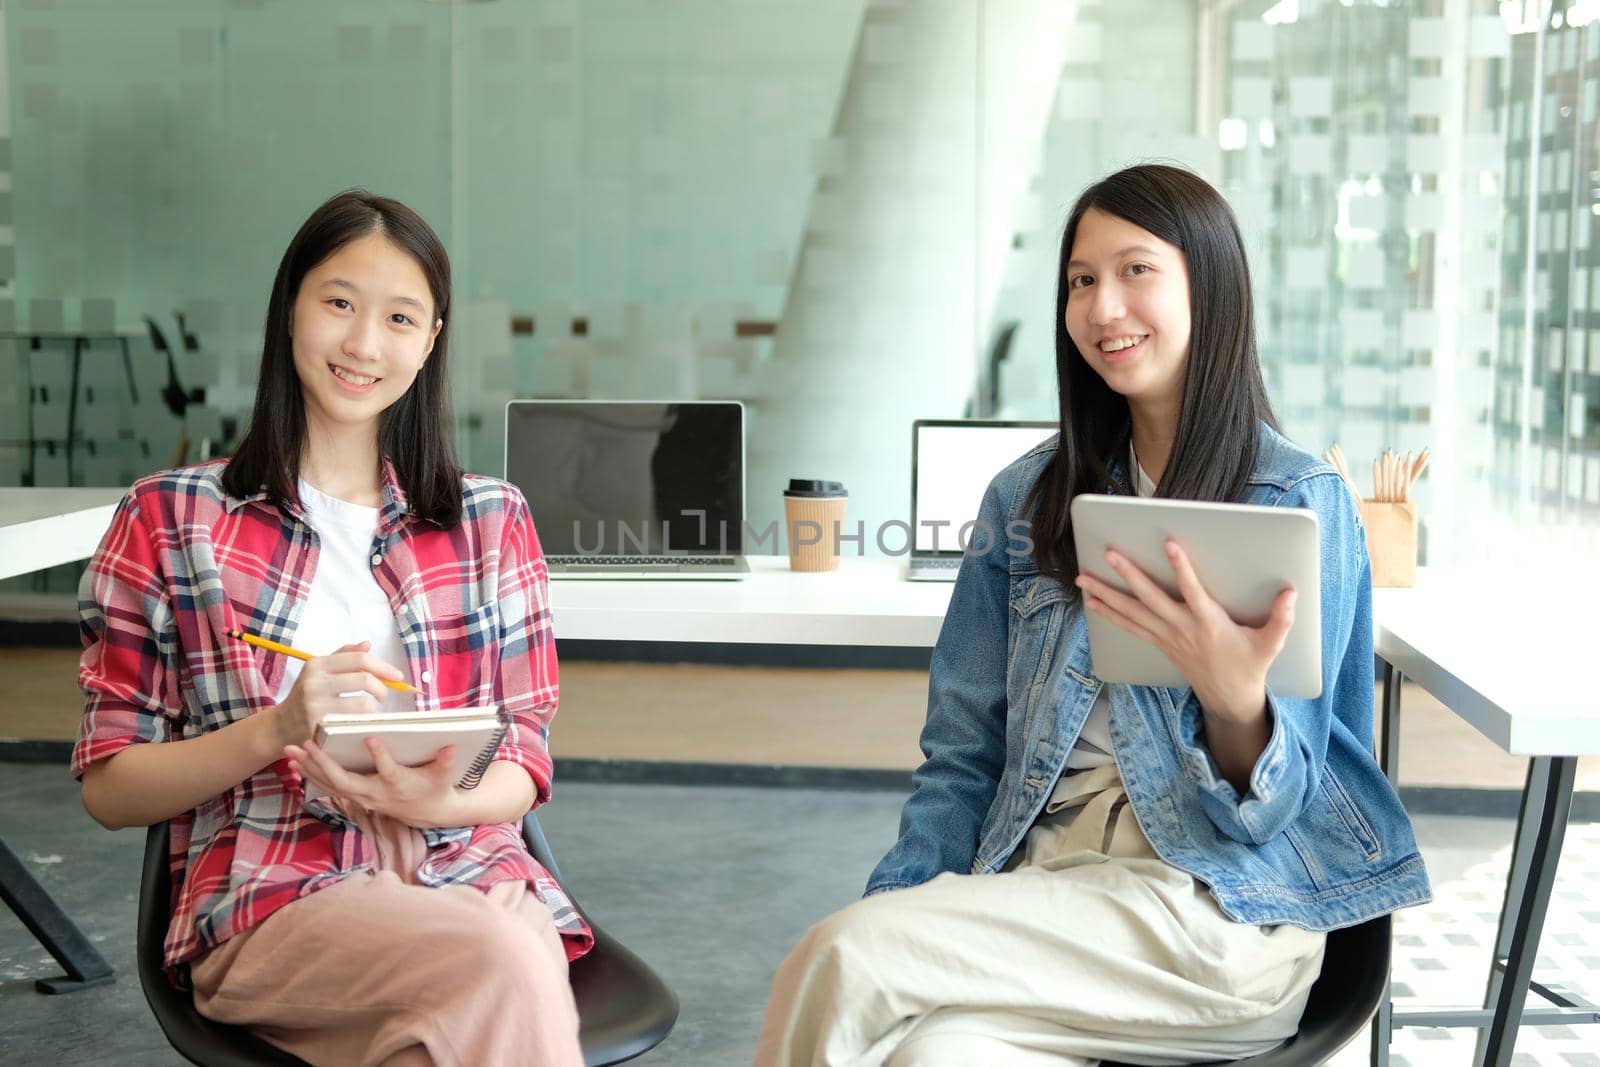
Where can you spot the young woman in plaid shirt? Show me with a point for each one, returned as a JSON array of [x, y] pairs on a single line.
[[401, 919]]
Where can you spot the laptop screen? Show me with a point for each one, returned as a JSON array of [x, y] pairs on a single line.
[[619, 478], [952, 464]]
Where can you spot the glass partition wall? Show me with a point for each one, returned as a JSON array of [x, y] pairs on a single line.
[[844, 213]]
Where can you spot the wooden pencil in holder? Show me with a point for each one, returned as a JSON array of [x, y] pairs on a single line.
[[1391, 541]]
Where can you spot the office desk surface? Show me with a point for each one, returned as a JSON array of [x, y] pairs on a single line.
[[42, 528], [864, 602], [1514, 660], [1511, 664]]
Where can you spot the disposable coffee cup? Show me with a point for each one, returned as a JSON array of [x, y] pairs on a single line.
[[815, 513]]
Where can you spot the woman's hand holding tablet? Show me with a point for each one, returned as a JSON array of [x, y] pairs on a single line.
[[1222, 598]]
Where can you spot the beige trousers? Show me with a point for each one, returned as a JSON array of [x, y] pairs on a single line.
[[378, 969], [1089, 946]]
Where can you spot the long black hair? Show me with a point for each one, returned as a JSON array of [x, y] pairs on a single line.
[[1224, 401], [416, 433]]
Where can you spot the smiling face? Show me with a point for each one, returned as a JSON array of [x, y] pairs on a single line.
[[1128, 307], [363, 325]]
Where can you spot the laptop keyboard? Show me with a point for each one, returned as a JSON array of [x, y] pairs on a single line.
[[644, 561], [939, 564]]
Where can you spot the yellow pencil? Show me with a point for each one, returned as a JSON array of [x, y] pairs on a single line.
[[273, 646]]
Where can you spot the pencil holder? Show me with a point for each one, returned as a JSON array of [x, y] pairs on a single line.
[[1391, 541]]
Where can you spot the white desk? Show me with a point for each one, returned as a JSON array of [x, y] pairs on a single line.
[[1516, 665], [42, 528], [1509, 669], [864, 602]]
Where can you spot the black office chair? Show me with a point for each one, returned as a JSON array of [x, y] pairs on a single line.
[[624, 1009], [1355, 973]]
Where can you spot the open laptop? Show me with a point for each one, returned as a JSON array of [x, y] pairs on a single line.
[[952, 463], [632, 489]]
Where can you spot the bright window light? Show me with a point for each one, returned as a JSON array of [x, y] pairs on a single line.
[[1282, 13], [1232, 134], [1582, 13]]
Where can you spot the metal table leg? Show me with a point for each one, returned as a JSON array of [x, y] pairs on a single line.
[[1541, 828], [30, 476], [1389, 760], [1523, 843], [127, 368], [1389, 732], [78, 345], [46, 921]]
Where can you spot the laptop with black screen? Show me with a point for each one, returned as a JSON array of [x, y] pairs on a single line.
[[632, 489]]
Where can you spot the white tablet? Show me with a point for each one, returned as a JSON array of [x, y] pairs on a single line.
[[1243, 554]]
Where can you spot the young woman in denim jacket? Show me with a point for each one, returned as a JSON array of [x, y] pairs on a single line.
[[1089, 870]]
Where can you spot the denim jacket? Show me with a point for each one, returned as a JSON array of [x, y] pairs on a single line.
[[1319, 840]]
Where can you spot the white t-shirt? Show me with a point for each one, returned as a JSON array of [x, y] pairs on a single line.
[[346, 605], [1093, 748]]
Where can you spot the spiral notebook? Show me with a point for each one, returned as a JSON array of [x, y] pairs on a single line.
[[414, 738]]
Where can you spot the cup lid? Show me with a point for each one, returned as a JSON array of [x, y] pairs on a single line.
[[811, 487]]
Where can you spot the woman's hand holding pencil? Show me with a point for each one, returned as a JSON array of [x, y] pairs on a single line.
[[399, 685], [349, 680]]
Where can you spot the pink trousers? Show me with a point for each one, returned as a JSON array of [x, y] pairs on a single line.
[[378, 969]]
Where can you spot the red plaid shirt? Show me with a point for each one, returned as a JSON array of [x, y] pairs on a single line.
[[183, 563]]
